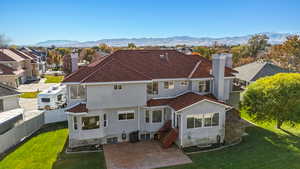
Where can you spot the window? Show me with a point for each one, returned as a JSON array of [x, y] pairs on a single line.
[[59, 97], [204, 86], [147, 116], [215, 119], [156, 116], [207, 120], [194, 121], [169, 85], [117, 87], [77, 92], [152, 88], [104, 120], [75, 123], [184, 83], [129, 115], [45, 100], [1, 105], [90, 122]]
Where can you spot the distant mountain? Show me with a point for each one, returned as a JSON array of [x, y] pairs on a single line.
[[275, 38]]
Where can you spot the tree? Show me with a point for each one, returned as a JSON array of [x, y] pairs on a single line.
[[204, 51], [256, 43], [105, 48], [131, 45], [274, 98]]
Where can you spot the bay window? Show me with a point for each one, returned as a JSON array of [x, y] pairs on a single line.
[[90, 122], [156, 116]]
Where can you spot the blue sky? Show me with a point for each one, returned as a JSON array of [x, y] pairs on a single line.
[[32, 21]]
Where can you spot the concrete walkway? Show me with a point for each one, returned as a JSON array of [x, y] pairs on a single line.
[[142, 155]]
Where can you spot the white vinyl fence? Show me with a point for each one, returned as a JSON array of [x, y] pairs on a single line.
[[53, 116], [20, 131]]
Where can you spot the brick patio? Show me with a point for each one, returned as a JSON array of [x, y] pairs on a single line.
[[142, 155]]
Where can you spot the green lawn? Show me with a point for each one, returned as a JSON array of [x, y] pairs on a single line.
[[53, 79], [264, 148], [29, 95]]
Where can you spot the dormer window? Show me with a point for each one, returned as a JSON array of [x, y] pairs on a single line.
[[169, 85], [117, 87], [204, 86]]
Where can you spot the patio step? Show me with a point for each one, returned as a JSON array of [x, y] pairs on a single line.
[[169, 138]]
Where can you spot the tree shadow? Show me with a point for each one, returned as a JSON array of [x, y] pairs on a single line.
[[288, 132]]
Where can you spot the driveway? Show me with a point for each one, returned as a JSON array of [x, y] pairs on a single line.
[[142, 155], [32, 87]]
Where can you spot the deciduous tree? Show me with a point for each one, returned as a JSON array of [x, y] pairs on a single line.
[[274, 98]]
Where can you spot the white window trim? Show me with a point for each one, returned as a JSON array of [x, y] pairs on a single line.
[[151, 115], [125, 112], [105, 120], [85, 92], [203, 121], [173, 84]]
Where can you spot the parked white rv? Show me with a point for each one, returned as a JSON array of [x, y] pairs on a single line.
[[52, 98]]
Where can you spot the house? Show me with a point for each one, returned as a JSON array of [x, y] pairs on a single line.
[[251, 72], [10, 111], [144, 92], [23, 67]]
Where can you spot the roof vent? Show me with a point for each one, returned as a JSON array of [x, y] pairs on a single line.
[[164, 56]]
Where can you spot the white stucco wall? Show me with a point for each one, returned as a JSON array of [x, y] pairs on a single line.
[[105, 96], [11, 102], [203, 135]]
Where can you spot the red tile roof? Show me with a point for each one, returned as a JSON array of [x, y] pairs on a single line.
[[4, 57], [6, 70], [131, 65], [80, 108], [181, 101]]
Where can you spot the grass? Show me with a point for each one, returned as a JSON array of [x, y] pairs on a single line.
[[264, 148], [29, 95], [53, 79], [80, 161]]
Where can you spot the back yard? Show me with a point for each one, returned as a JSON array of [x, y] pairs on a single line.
[[265, 147]]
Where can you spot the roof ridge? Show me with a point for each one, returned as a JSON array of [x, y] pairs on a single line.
[[195, 68]]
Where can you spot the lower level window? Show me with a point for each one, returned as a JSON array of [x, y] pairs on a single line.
[[90, 122], [202, 120], [156, 116], [126, 115]]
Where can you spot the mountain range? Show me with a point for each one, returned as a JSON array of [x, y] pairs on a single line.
[[274, 38]]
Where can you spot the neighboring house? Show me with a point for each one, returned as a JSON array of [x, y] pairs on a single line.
[[251, 72], [145, 91], [24, 67], [10, 111]]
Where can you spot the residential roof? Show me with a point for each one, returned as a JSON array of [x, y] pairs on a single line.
[[7, 90], [5, 57], [13, 55], [80, 108], [258, 69], [135, 65], [182, 101], [6, 70]]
